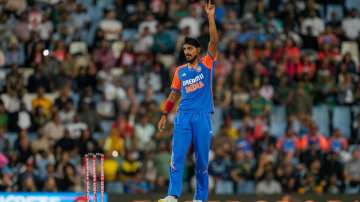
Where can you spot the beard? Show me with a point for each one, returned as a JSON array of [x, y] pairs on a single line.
[[191, 60]]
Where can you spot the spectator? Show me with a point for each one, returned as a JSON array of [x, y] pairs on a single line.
[[328, 37], [258, 105], [75, 127], [50, 185], [299, 102], [314, 139], [144, 132], [313, 22], [89, 117], [268, 185], [87, 144], [41, 101], [68, 181], [63, 98], [149, 23], [337, 142], [40, 118], [54, 129], [15, 54], [37, 80], [350, 25], [105, 108], [23, 148], [161, 161], [23, 118], [103, 56], [163, 43], [66, 143], [67, 114], [138, 185], [289, 143], [219, 169], [131, 166], [352, 174], [123, 128], [111, 26], [192, 22], [41, 143], [242, 173], [288, 176], [229, 130], [145, 41]]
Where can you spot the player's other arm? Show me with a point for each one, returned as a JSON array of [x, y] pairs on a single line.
[[210, 11], [173, 98]]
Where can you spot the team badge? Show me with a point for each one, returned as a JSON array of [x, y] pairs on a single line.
[[198, 68]]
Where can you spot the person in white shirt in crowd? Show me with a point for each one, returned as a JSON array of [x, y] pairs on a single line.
[[111, 26], [23, 118], [67, 113], [193, 21], [351, 25], [76, 127], [150, 22], [105, 108], [54, 129], [268, 185], [145, 41], [317, 24], [144, 131]]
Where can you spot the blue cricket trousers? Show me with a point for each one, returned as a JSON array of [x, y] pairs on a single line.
[[195, 128]]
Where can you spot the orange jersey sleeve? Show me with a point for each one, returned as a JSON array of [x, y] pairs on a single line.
[[209, 60], [176, 84]]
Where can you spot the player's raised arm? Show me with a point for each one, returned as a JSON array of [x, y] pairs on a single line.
[[210, 11]]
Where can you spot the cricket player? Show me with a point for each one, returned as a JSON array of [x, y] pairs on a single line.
[[192, 123]]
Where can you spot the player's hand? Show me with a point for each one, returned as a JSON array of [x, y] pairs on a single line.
[[162, 123], [210, 8]]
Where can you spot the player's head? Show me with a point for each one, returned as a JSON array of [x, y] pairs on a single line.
[[191, 47]]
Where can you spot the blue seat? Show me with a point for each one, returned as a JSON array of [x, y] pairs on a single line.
[[338, 9], [349, 4], [106, 126], [278, 121], [11, 137], [129, 34], [321, 116], [342, 120], [32, 136]]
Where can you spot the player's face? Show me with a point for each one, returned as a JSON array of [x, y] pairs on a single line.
[[191, 52]]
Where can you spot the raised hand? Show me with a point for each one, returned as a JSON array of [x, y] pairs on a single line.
[[210, 8]]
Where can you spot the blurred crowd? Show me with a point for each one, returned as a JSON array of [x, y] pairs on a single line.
[[80, 76]]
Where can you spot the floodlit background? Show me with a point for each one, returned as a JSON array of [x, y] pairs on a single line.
[[79, 76]]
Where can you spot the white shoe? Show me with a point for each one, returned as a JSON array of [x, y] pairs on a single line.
[[168, 199], [197, 201]]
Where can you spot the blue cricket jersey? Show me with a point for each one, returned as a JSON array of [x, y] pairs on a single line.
[[195, 85]]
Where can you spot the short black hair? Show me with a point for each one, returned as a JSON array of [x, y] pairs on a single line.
[[191, 41]]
